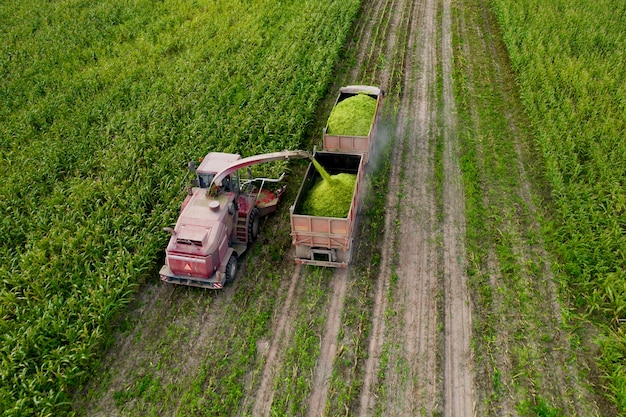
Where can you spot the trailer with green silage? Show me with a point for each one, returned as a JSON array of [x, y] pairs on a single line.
[[352, 124], [328, 240]]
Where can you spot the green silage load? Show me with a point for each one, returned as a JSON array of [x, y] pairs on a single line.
[[353, 116], [330, 198]]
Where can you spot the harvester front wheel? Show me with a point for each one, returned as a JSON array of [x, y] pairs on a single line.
[[253, 225], [231, 269]]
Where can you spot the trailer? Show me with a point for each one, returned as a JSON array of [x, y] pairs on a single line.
[[329, 241], [326, 241], [362, 145]]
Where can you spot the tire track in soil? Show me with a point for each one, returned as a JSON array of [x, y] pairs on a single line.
[[458, 387], [265, 394], [417, 257], [367, 397], [328, 348], [415, 368], [411, 337]]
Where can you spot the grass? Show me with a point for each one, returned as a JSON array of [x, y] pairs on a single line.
[[390, 359], [348, 368], [294, 380], [515, 302], [103, 104], [569, 66]]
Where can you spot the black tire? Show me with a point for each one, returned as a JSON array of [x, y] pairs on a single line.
[[231, 269], [253, 225]]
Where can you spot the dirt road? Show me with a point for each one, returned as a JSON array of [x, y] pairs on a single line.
[[427, 280]]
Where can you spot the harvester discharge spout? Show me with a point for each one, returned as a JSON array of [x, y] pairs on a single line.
[[258, 159]]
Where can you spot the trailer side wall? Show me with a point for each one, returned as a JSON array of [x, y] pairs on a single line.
[[354, 144], [326, 240]]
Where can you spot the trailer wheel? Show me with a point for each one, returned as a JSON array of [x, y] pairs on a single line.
[[231, 269], [253, 225]]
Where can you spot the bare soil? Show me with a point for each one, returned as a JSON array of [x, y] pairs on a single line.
[[430, 280], [422, 352]]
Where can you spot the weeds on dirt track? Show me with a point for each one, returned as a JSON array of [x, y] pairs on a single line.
[[102, 106], [294, 380], [347, 376], [524, 342], [570, 66]]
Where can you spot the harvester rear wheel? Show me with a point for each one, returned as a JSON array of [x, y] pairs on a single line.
[[253, 225], [231, 269]]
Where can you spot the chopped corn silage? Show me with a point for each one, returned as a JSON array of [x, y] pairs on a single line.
[[331, 198], [353, 116]]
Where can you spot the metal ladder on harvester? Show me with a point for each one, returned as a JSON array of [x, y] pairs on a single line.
[[241, 230]]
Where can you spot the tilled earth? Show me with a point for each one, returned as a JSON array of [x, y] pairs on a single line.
[[425, 342]]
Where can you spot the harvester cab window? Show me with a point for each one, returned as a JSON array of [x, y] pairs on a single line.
[[234, 182], [226, 185], [231, 183], [205, 180]]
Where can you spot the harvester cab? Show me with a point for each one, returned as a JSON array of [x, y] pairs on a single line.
[[210, 165]]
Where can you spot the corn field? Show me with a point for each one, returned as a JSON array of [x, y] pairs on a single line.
[[569, 60], [102, 106]]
